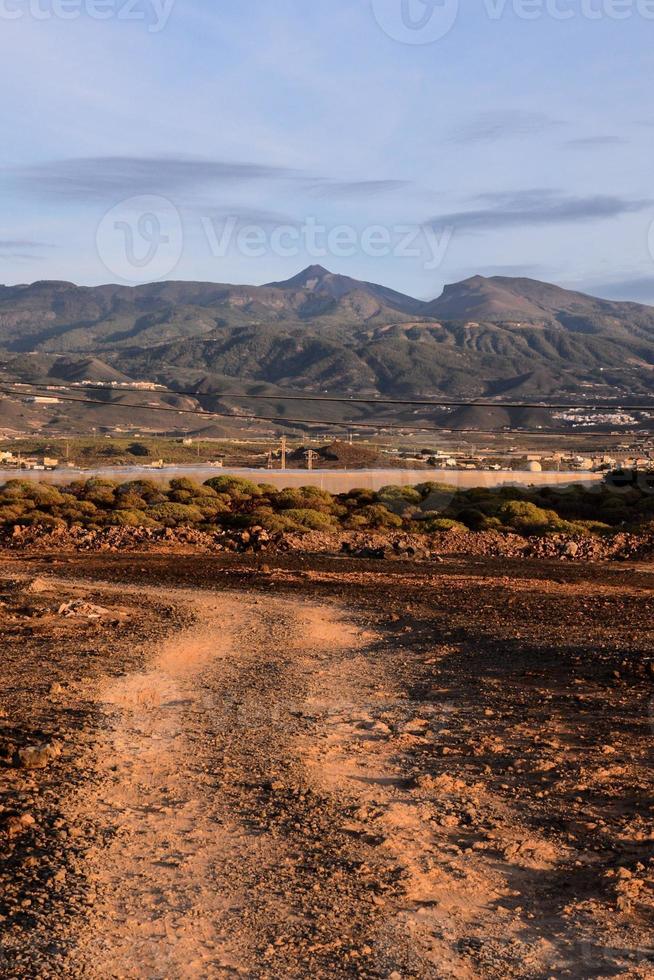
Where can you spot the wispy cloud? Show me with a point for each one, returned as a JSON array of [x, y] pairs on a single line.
[[244, 215], [21, 257], [9, 244], [536, 207], [590, 141], [638, 290], [90, 179], [358, 188], [489, 127], [20, 250]]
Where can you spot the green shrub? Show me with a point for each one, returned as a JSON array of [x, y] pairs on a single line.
[[377, 516], [174, 515], [78, 512], [131, 501], [12, 513], [184, 483], [398, 496], [211, 508], [147, 489], [43, 494], [524, 516], [314, 520], [234, 486], [472, 517], [433, 524], [358, 498], [266, 518], [301, 499], [39, 517], [129, 518], [138, 449]]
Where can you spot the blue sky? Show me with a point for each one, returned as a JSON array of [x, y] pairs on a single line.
[[240, 141]]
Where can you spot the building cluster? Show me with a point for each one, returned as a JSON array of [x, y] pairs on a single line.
[[533, 462], [18, 461], [127, 385]]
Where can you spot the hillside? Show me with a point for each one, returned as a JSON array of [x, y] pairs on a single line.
[[497, 337]]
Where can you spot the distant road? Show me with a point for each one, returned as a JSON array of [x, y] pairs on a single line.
[[335, 481]]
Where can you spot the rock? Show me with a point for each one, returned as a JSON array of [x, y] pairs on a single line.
[[77, 607], [39, 756], [15, 825]]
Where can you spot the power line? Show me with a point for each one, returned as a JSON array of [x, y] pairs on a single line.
[[351, 400], [281, 420]]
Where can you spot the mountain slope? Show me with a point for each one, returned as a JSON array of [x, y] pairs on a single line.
[[497, 337]]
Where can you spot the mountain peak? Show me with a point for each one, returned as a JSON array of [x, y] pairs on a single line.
[[311, 276], [315, 271]]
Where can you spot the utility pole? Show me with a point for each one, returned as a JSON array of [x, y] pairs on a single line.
[[311, 455], [283, 452]]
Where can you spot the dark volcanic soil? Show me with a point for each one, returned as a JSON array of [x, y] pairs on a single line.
[[318, 767]]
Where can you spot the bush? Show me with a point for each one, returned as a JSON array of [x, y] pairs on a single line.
[[12, 513], [433, 524], [234, 486], [130, 501], [301, 499], [147, 489], [187, 485], [78, 511], [527, 518], [472, 518], [266, 518], [98, 492], [377, 516], [312, 519], [138, 449], [174, 515], [129, 518], [398, 496]]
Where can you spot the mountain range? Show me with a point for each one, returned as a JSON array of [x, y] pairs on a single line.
[[484, 337]]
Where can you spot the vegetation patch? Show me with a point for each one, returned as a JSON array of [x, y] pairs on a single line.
[[231, 503]]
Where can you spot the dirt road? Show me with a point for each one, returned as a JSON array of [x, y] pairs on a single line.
[[235, 851], [288, 787]]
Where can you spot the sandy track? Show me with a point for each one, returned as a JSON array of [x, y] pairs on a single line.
[[207, 795], [283, 793]]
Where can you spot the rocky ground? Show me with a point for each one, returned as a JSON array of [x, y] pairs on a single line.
[[388, 544], [292, 765]]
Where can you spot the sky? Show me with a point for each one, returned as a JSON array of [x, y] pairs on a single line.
[[408, 142]]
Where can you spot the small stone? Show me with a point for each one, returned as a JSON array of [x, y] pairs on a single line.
[[39, 756], [15, 825]]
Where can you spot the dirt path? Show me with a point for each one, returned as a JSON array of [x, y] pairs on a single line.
[[158, 911], [224, 857], [284, 793]]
